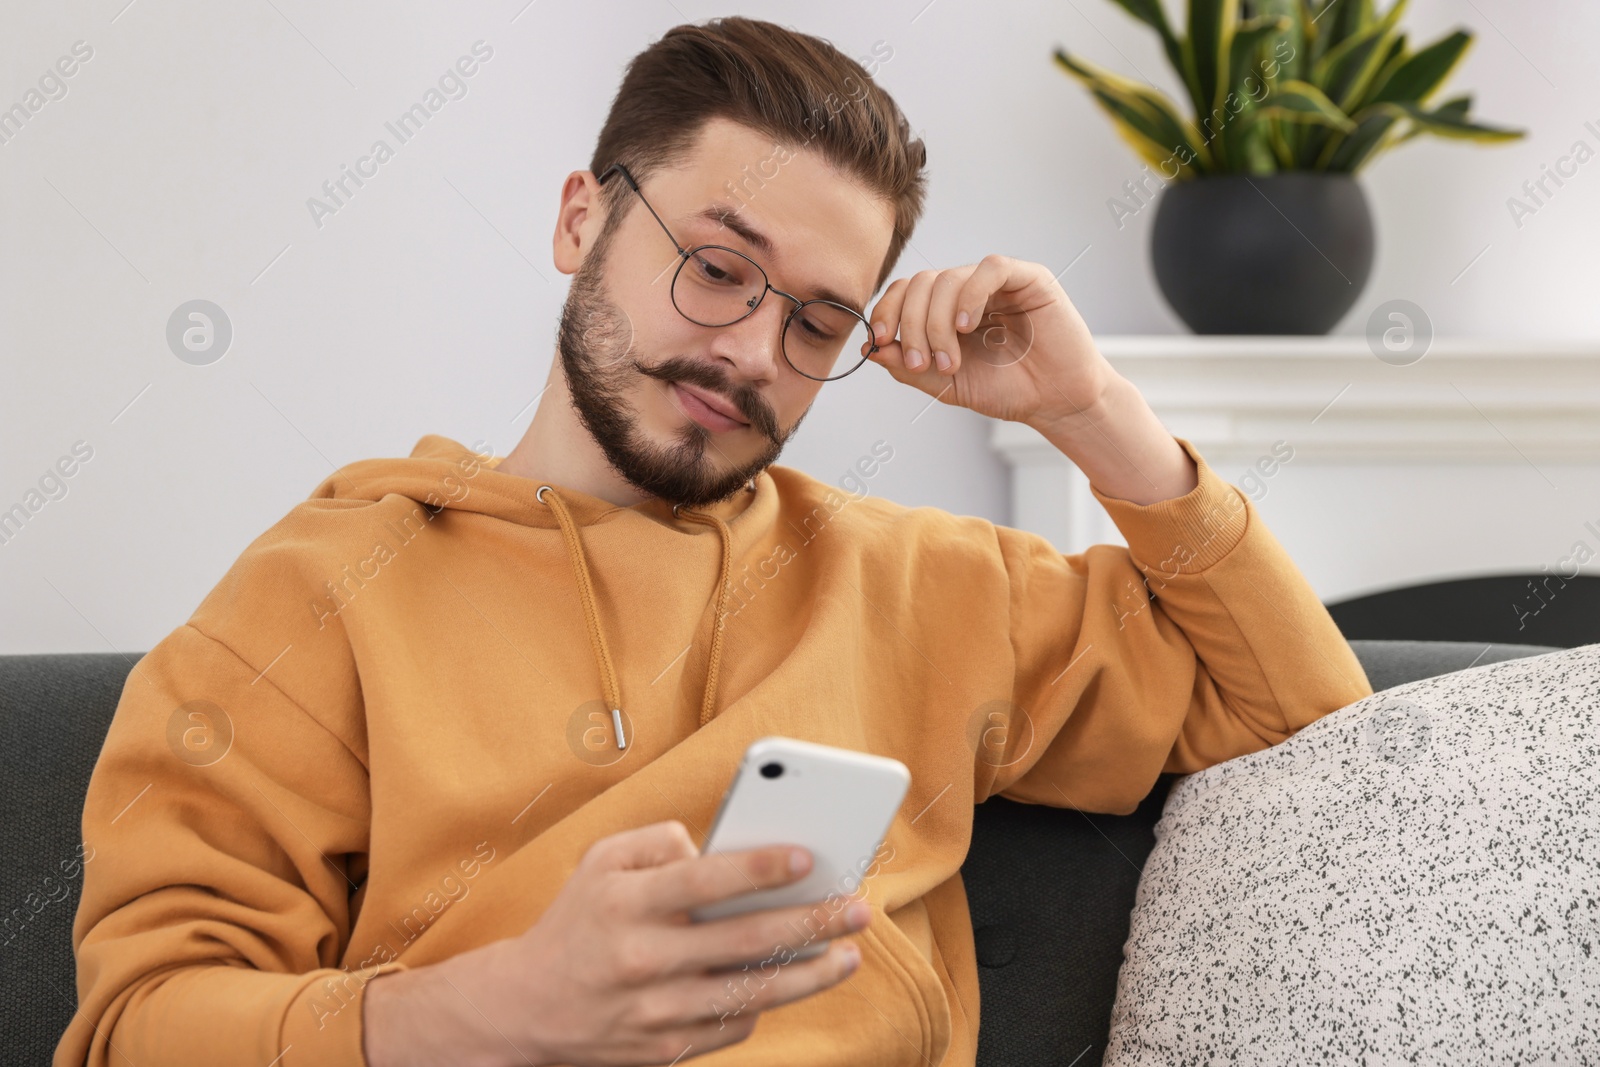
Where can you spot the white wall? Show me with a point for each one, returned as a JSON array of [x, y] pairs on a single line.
[[179, 162]]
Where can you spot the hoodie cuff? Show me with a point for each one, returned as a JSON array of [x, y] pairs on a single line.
[[1185, 534], [323, 1026]]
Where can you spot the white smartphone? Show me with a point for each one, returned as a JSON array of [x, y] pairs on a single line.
[[834, 801]]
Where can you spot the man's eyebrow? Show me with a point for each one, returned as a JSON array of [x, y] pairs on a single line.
[[724, 216]]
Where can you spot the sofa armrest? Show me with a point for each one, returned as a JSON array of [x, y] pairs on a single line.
[[1392, 663]]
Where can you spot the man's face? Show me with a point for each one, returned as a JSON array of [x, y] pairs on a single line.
[[628, 354]]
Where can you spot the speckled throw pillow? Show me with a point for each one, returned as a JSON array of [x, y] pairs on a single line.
[[1414, 878]]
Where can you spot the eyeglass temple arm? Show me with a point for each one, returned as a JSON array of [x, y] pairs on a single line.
[[620, 169]]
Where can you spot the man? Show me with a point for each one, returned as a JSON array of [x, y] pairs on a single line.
[[423, 779]]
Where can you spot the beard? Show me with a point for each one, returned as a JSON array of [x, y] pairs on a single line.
[[600, 358]]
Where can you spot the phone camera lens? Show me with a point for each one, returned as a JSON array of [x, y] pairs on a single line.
[[771, 770]]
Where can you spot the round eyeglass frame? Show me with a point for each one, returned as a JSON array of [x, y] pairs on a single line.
[[684, 255]]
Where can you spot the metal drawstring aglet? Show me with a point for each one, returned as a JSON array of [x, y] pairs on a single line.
[[616, 721]]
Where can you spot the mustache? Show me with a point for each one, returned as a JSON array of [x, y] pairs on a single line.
[[747, 401]]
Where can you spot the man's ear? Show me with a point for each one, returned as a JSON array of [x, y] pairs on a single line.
[[578, 222]]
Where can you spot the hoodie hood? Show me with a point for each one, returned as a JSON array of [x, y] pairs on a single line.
[[442, 473]]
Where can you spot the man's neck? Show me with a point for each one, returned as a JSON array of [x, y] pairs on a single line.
[[558, 450]]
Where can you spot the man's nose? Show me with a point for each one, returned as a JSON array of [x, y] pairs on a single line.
[[753, 346]]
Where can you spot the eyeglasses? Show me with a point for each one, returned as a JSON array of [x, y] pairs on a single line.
[[722, 286]]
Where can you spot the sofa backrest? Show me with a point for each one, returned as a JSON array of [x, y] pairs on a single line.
[[1050, 889], [54, 714]]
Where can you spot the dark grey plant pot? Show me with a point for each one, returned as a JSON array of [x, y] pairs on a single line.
[[1281, 253]]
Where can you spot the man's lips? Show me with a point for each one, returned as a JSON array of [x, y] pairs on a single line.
[[708, 409]]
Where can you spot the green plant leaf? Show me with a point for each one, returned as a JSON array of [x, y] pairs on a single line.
[[1211, 28], [1143, 116], [1282, 151], [1286, 49], [1245, 88], [1349, 153], [1297, 101], [1393, 60], [1459, 105], [1346, 71], [1450, 122], [1152, 14], [1291, 58], [1315, 36], [1255, 150], [1248, 39], [1420, 75], [1350, 17], [1376, 130], [1143, 132], [1329, 23]]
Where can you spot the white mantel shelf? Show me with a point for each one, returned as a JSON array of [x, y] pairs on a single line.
[[1507, 413], [1465, 399]]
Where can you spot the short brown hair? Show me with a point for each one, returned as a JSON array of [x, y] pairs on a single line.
[[798, 89]]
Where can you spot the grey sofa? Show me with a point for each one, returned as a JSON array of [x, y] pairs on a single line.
[[1050, 889]]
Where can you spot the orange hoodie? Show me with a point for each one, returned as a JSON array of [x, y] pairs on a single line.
[[385, 737]]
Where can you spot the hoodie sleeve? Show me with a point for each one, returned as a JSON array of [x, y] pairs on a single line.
[[1198, 642], [226, 827]]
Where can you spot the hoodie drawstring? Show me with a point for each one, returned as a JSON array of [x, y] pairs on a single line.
[[597, 638], [719, 617]]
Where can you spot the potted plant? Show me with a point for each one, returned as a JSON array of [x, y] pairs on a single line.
[[1264, 228]]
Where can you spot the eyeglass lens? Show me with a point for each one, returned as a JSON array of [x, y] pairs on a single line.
[[717, 286]]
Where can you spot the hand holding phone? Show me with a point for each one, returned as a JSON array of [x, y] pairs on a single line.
[[613, 974], [834, 802]]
